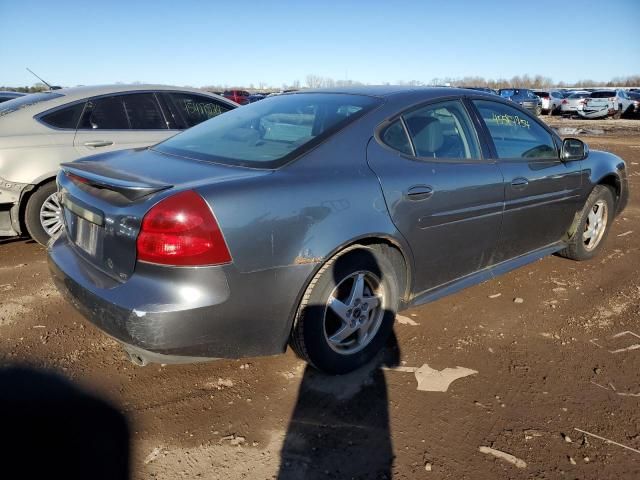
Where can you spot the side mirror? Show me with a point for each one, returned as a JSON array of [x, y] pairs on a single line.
[[574, 149]]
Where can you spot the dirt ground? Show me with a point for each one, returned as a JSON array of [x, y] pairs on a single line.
[[553, 346]]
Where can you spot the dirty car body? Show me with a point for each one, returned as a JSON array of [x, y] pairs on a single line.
[[293, 181]]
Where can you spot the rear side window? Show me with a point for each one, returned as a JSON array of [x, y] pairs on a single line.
[[514, 133], [64, 117], [187, 110], [143, 112], [106, 113], [395, 137], [443, 130]]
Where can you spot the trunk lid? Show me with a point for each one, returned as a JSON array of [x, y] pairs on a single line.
[[105, 197]]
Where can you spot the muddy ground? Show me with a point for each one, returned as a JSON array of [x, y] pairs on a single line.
[[559, 358]]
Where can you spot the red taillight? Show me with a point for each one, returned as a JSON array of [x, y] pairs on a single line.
[[181, 230], [76, 178]]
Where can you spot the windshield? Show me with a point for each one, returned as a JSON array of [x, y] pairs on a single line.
[[603, 94], [271, 132], [25, 101], [506, 93]]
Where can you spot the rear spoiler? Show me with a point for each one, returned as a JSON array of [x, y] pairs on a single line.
[[130, 189]]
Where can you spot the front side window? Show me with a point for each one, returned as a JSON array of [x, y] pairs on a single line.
[[106, 113], [66, 117], [443, 131], [188, 110], [269, 133], [143, 112], [514, 133]]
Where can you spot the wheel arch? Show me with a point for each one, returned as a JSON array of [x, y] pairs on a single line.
[[612, 181], [24, 199], [386, 245]]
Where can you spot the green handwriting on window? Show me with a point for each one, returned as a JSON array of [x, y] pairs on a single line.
[[208, 110], [511, 120]]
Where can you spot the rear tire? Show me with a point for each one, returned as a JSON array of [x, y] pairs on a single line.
[[593, 226], [37, 212], [321, 335]]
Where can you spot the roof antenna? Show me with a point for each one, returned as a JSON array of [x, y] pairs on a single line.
[[51, 87]]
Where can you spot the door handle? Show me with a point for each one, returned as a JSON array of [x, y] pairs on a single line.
[[519, 183], [98, 143], [419, 192]]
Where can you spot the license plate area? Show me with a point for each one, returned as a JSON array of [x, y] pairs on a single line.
[[84, 226], [86, 236]]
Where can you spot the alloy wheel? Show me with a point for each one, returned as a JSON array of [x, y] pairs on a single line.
[[51, 215], [595, 225], [354, 312]]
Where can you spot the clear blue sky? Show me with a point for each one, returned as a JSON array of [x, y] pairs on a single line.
[[237, 43]]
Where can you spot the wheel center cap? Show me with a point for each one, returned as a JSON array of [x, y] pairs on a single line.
[[357, 312]]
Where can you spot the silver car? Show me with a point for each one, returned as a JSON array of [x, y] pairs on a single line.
[[40, 131], [570, 104]]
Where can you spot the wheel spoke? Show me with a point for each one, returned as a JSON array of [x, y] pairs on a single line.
[[343, 332], [339, 308], [49, 222], [592, 218], [372, 302], [357, 290]]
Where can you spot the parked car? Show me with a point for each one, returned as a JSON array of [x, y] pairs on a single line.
[[4, 96], [41, 130], [240, 97], [570, 104], [605, 103], [635, 109], [255, 97], [551, 100], [311, 218], [523, 97]]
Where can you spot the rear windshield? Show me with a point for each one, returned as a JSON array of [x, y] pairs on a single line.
[[603, 94], [26, 101], [507, 93], [271, 132], [579, 95]]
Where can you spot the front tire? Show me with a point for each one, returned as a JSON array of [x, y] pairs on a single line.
[[347, 311], [43, 215], [593, 226]]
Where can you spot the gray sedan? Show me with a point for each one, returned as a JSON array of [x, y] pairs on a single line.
[[311, 218]]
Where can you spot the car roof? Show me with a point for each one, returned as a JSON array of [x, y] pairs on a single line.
[[77, 93], [386, 91]]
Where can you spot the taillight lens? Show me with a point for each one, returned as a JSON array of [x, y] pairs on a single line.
[[182, 231]]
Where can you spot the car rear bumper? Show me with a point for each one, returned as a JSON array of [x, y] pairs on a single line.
[[10, 196], [171, 313]]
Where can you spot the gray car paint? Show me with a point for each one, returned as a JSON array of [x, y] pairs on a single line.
[[282, 225]]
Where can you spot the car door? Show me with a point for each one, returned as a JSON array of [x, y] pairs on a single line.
[[542, 193], [116, 122], [443, 197]]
